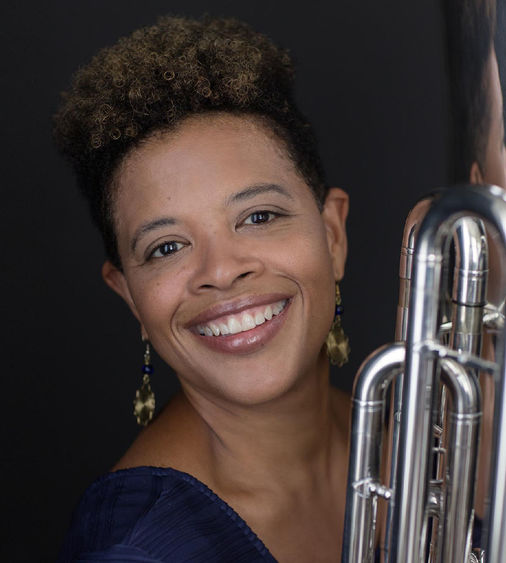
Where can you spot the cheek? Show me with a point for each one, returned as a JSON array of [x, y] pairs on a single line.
[[156, 299], [304, 251], [312, 267]]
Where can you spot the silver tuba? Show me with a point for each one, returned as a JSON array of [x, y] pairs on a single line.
[[415, 495]]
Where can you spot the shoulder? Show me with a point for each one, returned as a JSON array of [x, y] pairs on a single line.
[[176, 438], [111, 508], [154, 514]]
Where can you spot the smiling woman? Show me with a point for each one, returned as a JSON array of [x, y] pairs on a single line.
[[226, 244]]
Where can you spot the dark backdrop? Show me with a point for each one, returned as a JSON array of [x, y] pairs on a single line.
[[371, 78]]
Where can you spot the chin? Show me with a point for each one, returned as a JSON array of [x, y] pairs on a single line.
[[252, 385]]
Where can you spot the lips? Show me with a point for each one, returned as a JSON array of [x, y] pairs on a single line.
[[243, 321], [243, 328]]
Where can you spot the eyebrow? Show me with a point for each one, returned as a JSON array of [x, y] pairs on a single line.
[[150, 226], [248, 193], [258, 189]]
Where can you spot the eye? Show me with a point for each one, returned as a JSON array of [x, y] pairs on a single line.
[[166, 249], [259, 217]]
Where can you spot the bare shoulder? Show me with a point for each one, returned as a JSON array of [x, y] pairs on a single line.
[[174, 439]]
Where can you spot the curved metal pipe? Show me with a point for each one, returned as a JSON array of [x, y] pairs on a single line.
[[468, 297], [406, 265], [489, 203], [371, 382], [465, 414], [469, 285], [411, 225]]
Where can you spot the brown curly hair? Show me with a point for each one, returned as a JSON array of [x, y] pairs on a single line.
[[153, 79]]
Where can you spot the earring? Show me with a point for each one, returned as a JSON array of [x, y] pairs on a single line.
[[338, 346], [144, 402]]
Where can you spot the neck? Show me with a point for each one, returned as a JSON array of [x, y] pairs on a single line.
[[250, 445]]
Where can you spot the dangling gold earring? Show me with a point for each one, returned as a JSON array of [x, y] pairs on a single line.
[[144, 402], [338, 346]]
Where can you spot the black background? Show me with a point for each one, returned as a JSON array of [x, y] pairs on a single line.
[[371, 78]]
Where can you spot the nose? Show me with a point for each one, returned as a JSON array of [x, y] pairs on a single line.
[[224, 260]]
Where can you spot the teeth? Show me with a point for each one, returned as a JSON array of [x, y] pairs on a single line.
[[223, 328], [259, 319], [215, 329], [248, 322], [242, 322], [234, 326], [277, 308]]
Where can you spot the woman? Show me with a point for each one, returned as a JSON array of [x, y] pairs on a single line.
[[224, 241]]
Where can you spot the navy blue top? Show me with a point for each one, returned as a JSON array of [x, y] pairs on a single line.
[[155, 514]]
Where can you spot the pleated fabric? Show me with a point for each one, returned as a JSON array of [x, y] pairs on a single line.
[[155, 514]]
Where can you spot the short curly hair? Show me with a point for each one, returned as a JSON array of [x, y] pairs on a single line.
[[153, 79]]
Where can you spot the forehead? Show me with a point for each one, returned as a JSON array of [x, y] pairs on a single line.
[[209, 153]]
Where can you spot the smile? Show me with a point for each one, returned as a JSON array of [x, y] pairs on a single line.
[[241, 327], [241, 322]]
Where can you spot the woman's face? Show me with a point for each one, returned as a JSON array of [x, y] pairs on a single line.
[[227, 261], [494, 165]]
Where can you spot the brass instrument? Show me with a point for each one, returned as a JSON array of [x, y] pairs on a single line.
[[434, 368]]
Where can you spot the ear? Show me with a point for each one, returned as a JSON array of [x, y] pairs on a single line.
[[335, 211], [475, 175], [115, 279]]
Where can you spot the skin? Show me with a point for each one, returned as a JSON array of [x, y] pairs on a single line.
[[260, 426], [492, 171]]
